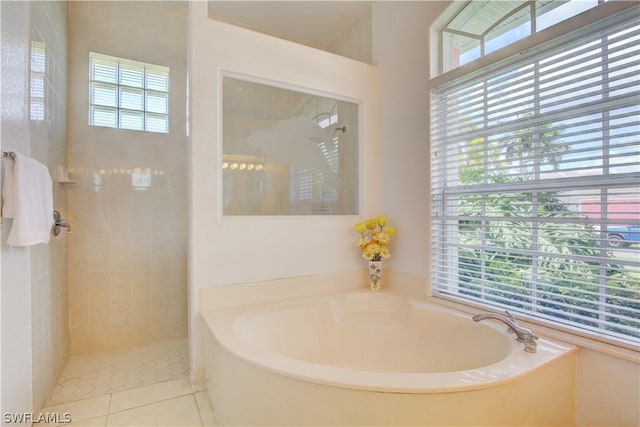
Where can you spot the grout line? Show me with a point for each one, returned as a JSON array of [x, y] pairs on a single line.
[[106, 418], [154, 402], [109, 405], [181, 378], [199, 411]]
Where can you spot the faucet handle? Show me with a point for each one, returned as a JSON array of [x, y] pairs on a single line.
[[513, 319], [59, 222], [530, 344], [510, 316], [529, 339]]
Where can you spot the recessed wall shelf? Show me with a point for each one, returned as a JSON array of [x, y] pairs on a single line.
[[61, 176]]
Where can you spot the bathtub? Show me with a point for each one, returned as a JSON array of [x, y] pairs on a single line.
[[377, 358]]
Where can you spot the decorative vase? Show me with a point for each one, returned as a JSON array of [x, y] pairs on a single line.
[[375, 275]]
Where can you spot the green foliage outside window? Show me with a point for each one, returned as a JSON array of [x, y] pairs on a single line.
[[497, 261]]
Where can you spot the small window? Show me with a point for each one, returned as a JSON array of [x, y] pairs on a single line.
[[127, 94], [38, 79]]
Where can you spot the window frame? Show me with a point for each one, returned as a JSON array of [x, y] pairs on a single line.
[[118, 86], [446, 60], [552, 41]]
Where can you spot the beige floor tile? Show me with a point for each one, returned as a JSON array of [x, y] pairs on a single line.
[[179, 411], [82, 409], [91, 422], [206, 411], [149, 394]]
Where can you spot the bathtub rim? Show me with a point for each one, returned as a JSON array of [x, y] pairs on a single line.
[[518, 362]]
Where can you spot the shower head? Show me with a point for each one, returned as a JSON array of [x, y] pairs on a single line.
[[342, 129]]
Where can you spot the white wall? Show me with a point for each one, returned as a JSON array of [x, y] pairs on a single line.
[[225, 251], [401, 52]]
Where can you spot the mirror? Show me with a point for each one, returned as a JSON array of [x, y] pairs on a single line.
[[286, 152]]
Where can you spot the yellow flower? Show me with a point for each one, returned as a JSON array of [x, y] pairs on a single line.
[[373, 247], [382, 237], [374, 238]]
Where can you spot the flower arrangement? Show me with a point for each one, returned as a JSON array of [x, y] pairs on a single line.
[[374, 238]]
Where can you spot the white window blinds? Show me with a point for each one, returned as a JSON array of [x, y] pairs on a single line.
[[128, 95], [536, 183]]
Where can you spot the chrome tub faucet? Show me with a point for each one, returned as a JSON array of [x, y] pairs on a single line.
[[525, 335]]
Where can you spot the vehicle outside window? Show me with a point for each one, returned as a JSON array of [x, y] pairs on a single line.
[[624, 236]]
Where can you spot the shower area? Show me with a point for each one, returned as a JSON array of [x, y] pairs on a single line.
[[127, 253], [108, 301]]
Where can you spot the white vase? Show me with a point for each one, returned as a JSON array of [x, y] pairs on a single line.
[[375, 275]]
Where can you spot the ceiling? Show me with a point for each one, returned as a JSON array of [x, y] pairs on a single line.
[[312, 23]]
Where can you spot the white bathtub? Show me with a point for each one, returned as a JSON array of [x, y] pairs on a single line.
[[375, 358]]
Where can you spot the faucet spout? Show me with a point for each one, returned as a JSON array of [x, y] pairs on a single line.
[[525, 335]]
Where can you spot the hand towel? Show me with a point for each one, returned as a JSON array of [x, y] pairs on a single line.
[[27, 192]]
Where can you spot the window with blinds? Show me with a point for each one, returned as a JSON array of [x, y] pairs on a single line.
[[128, 95], [536, 183]]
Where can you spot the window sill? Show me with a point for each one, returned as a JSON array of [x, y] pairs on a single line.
[[550, 330]]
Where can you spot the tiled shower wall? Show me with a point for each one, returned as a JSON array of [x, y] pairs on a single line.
[[34, 279], [127, 252], [48, 127]]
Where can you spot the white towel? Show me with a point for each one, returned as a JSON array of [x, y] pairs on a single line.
[[27, 193]]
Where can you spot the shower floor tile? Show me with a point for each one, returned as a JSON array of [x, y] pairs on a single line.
[[92, 375]]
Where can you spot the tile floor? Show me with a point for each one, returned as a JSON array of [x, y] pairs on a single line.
[[142, 386]]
